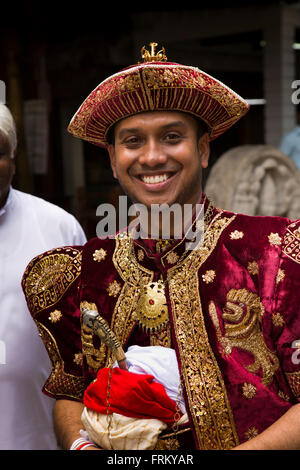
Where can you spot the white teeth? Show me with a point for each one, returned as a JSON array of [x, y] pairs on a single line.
[[154, 179]]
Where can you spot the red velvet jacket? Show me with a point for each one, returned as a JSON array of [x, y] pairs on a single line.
[[233, 307]]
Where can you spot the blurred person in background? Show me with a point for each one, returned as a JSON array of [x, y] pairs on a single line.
[[28, 226], [290, 143]]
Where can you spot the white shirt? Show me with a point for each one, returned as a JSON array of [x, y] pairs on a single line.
[[28, 227]]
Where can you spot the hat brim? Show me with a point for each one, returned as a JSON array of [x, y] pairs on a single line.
[[157, 87]]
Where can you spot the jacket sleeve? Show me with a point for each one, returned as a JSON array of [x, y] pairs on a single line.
[[286, 308], [50, 284]]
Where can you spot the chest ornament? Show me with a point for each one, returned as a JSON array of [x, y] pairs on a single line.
[[152, 310]]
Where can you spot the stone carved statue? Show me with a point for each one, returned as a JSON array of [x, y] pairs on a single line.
[[255, 180]]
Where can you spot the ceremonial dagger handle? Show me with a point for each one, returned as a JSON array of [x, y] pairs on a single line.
[[91, 319]]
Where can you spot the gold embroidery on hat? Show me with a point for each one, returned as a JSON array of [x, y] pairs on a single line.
[[226, 98]]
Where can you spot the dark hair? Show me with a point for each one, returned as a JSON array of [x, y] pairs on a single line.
[[110, 136], [202, 128]]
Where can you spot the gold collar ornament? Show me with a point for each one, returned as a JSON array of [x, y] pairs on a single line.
[[152, 311]]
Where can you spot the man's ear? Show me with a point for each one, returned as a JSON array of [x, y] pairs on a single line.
[[112, 156], [204, 150]]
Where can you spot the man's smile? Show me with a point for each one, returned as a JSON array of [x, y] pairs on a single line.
[[156, 181]]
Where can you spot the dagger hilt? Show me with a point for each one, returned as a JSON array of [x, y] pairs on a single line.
[[92, 320]]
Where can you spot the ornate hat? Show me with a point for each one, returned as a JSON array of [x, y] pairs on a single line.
[[157, 85]]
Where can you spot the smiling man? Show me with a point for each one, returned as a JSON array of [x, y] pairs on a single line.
[[229, 307]]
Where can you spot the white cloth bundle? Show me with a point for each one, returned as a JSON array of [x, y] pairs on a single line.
[[123, 433], [162, 364]]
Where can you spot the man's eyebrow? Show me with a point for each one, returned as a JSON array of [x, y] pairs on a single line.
[[128, 130], [174, 124], [133, 130]]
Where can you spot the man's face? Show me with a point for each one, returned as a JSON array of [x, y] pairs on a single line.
[[158, 158], [7, 168]]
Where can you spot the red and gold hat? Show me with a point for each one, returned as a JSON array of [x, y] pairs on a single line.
[[157, 85]]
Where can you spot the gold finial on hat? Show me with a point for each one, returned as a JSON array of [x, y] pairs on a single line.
[[151, 56]]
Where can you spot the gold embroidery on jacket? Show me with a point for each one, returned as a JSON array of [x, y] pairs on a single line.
[[55, 316], [135, 277], [99, 255], [236, 235], [223, 341], [251, 433], [277, 319], [242, 317], [207, 397], [274, 239], [209, 276], [162, 337], [170, 441], [48, 276], [280, 275], [249, 390], [78, 359], [206, 393], [294, 383], [59, 382], [291, 242], [114, 288], [283, 395], [253, 268]]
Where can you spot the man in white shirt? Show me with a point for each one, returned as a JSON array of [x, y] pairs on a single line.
[[28, 226], [290, 143]]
